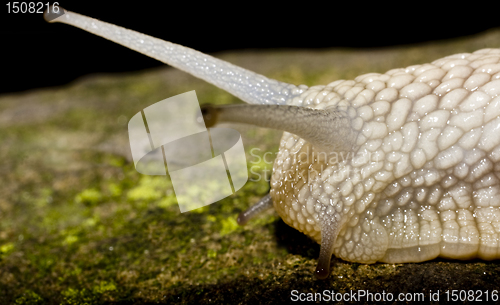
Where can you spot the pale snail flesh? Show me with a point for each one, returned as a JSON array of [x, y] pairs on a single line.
[[395, 167]]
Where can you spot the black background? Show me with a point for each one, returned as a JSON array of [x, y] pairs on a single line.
[[38, 54]]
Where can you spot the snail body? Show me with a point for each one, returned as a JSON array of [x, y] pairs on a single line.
[[395, 167], [422, 179]]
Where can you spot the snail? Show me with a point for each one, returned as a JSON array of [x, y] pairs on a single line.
[[396, 167]]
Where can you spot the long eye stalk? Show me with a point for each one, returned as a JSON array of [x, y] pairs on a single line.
[[251, 87], [328, 130]]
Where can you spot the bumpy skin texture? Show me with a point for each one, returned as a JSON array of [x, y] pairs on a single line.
[[422, 179]]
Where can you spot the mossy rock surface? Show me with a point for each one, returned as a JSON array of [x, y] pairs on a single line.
[[78, 224]]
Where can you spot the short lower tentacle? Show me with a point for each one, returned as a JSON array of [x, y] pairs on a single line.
[[264, 204]]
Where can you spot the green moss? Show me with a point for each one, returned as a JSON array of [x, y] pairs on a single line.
[[229, 225], [211, 253], [203, 210], [146, 193], [6, 249], [29, 298], [117, 162], [89, 196], [104, 287], [150, 188], [115, 189], [70, 239], [78, 297], [167, 202]]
